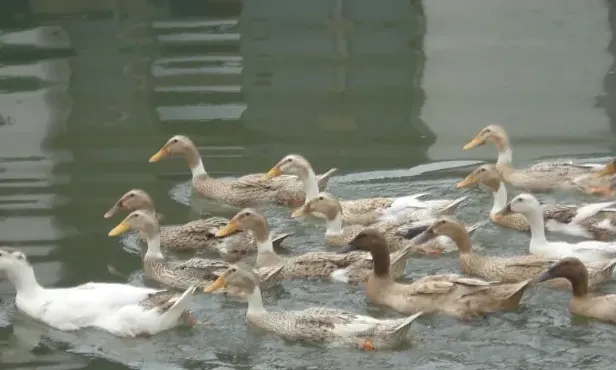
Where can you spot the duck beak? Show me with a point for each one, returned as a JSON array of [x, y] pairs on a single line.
[[505, 211], [348, 248], [299, 212], [162, 153], [468, 181], [120, 229], [216, 285], [477, 141], [274, 172], [113, 210], [608, 169], [425, 236], [231, 227], [545, 276]]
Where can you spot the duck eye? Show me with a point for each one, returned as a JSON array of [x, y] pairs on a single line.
[[487, 131], [321, 197], [246, 214], [289, 160], [131, 195], [135, 215]]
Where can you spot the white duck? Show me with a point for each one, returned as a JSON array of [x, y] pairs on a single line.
[[368, 210], [586, 251], [120, 309]]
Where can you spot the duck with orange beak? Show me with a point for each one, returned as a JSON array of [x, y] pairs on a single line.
[[245, 191]]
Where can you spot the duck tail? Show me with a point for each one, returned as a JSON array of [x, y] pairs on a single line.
[[516, 291], [401, 331], [471, 229], [180, 305], [398, 261], [323, 179], [451, 208], [609, 266], [278, 239], [271, 277]]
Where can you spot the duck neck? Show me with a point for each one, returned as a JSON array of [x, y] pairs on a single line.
[[153, 251], [255, 302], [311, 185], [500, 198], [537, 228], [24, 281], [195, 163], [381, 260], [579, 286], [462, 240], [334, 225]]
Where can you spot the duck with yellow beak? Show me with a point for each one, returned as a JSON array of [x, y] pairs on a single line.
[[197, 272], [315, 324], [248, 190], [543, 176]]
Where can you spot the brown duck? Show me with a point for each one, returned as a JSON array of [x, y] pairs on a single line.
[[505, 269], [450, 294], [597, 306], [194, 235], [246, 191]]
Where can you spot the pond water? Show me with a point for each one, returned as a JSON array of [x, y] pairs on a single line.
[[388, 92]]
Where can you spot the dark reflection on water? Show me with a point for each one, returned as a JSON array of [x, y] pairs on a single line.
[[89, 92]]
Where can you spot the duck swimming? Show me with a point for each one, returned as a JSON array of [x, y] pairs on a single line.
[[120, 309], [245, 191]]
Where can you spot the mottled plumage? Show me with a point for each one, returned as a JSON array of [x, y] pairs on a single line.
[[337, 236], [450, 294], [594, 221], [245, 191], [179, 274], [368, 210], [506, 269], [350, 268], [316, 324], [543, 176], [195, 235]]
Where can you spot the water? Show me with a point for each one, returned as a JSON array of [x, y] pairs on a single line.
[[387, 93]]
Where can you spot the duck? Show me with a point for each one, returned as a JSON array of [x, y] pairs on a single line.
[[339, 235], [364, 211], [350, 268], [315, 324], [120, 309], [591, 221], [248, 190], [596, 306], [587, 251], [505, 269], [542, 177], [197, 235], [448, 294], [196, 271], [607, 181]]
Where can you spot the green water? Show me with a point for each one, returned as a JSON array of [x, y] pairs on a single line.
[[388, 94]]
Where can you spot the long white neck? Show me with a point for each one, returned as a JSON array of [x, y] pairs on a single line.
[[311, 185], [24, 280], [334, 227], [255, 302], [537, 228], [154, 247], [265, 246], [198, 170], [500, 198], [504, 156]]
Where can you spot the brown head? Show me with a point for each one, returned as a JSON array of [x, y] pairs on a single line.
[[238, 276], [139, 220], [247, 219], [292, 164], [323, 203], [132, 200], [490, 134], [371, 240], [608, 170], [178, 145], [572, 269], [447, 226], [486, 174]]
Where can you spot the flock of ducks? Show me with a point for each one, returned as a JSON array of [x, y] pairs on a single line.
[[374, 238]]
